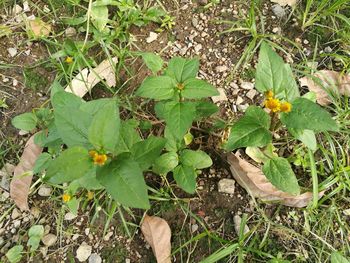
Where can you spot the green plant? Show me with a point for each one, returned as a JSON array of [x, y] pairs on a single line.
[[286, 111]]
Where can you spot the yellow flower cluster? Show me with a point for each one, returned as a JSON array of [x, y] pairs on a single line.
[[66, 197], [99, 159], [275, 105]]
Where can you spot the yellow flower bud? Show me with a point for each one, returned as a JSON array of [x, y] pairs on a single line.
[[66, 197], [273, 104], [286, 107]]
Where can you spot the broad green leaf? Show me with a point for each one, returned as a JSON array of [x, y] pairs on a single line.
[[307, 115], [185, 177], [92, 107], [198, 159], [42, 162], [73, 205], [128, 136], [310, 96], [182, 69], [166, 163], [250, 130], [104, 129], [256, 154], [14, 255], [35, 233], [62, 99], [307, 137], [72, 164], [290, 89], [270, 70], [179, 117], [159, 88], [124, 181], [336, 257], [205, 109], [99, 15], [278, 171], [26, 121], [89, 181], [197, 89], [145, 152], [173, 143], [153, 61]]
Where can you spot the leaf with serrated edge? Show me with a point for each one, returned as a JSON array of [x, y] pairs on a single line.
[[185, 177], [197, 89], [159, 88]]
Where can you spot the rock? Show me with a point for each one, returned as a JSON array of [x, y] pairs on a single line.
[[152, 37], [83, 252], [194, 228], [17, 9], [70, 32], [49, 240], [243, 107], [87, 231], [43, 251], [278, 11], [16, 223], [221, 68], [237, 222], [108, 236], [75, 237], [346, 212], [5, 174], [26, 7], [239, 100], [95, 258], [12, 51], [69, 216], [276, 30], [226, 186], [44, 190], [251, 94], [15, 213], [198, 47], [220, 97], [247, 85], [35, 212], [127, 260], [194, 22], [328, 49]]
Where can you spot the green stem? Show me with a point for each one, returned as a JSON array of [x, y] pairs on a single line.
[[314, 179]]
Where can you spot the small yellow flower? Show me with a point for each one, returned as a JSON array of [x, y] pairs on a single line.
[[269, 94], [69, 60], [90, 195], [286, 107], [66, 197], [93, 153], [100, 159], [273, 104]]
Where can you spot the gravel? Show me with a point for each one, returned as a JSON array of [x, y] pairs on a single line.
[[83, 252], [44, 191], [226, 186], [95, 258], [49, 240]]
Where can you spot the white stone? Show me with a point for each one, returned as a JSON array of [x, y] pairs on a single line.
[[221, 68], [26, 6], [251, 94], [83, 252], [14, 82], [70, 31], [108, 236], [49, 240], [95, 258], [75, 237], [12, 51], [226, 186], [198, 47], [221, 97], [278, 11], [194, 228], [15, 213], [17, 9], [239, 100], [247, 85], [44, 190], [69, 216], [346, 212], [237, 222], [152, 37]]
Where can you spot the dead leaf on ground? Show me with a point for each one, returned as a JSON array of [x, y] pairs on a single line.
[[285, 2], [22, 175], [39, 28], [85, 80], [254, 181], [158, 234], [331, 81]]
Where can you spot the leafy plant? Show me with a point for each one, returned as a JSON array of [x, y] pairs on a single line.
[[14, 255], [35, 233], [285, 110]]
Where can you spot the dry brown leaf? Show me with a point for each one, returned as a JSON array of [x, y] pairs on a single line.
[[39, 28], [254, 181], [22, 176], [331, 81], [158, 234], [285, 2], [84, 81]]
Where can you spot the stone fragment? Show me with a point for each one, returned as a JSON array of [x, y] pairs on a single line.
[[226, 186]]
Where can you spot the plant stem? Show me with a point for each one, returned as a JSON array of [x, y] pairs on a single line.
[[314, 179]]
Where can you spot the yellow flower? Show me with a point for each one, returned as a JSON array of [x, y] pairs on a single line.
[[286, 107], [269, 94], [273, 104], [69, 60], [66, 197], [90, 195], [93, 153], [99, 159]]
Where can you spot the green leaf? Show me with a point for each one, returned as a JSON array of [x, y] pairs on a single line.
[[205, 109], [278, 171], [173, 143], [166, 163], [290, 89], [182, 69], [197, 89], [72, 164], [99, 15], [42, 162], [124, 181], [26, 121], [145, 152], [159, 88], [307, 115], [104, 129], [73, 205], [198, 159], [307, 137], [185, 177], [62, 99], [251, 130], [336, 257], [179, 117], [128, 136], [92, 107], [153, 61], [14, 255], [35, 233], [89, 181]]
